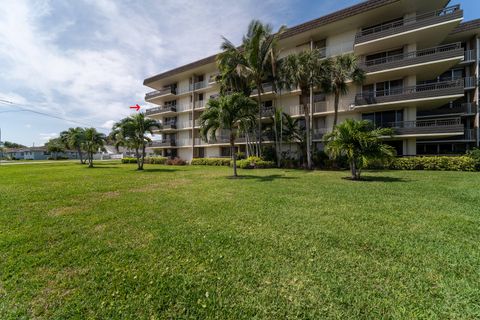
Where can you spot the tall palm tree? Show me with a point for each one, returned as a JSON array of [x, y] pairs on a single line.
[[294, 131], [226, 113], [341, 69], [73, 139], [132, 132], [93, 142], [254, 61], [304, 70], [360, 142]]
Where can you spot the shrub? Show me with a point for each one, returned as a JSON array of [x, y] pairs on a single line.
[[129, 160], [254, 163], [463, 163], [241, 155], [475, 155], [176, 162], [155, 160], [210, 162]]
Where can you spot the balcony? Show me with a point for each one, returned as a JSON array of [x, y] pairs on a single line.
[[184, 124], [319, 133], [427, 28], [464, 109], [435, 127], [426, 63], [424, 95], [155, 95], [162, 110], [213, 78], [162, 143], [267, 88], [169, 126], [268, 112], [469, 56]]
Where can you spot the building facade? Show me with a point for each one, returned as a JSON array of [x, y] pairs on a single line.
[[421, 62]]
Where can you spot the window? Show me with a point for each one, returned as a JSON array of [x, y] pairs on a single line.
[[385, 118], [225, 152], [386, 88], [385, 56], [200, 97]]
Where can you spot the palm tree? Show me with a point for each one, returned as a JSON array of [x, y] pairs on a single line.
[[360, 142], [132, 132], [304, 70], [93, 142], [294, 131], [226, 113], [73, 139], [253, 62], [341, 69]]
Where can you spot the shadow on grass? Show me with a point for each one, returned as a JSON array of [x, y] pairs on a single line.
[[378, 179], [270, 177], [101, 167], [157, 170]]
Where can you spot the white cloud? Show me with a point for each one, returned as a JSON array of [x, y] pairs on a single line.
[[108, 124], [48, 136], [86, 60]]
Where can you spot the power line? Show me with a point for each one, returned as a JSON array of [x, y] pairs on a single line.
[[24, 109]]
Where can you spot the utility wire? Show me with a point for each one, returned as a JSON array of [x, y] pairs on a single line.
[[24, 109]]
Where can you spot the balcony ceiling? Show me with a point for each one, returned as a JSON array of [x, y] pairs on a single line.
[[424, 71], [427, 36], [425, 103]]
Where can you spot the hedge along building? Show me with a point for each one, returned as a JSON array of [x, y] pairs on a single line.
[[421, 66]]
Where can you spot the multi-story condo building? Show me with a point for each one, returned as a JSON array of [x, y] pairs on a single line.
[[421, 62]]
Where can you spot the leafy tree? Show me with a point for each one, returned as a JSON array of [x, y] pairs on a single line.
[[360, 142], [94, 141], [55, 146], [8, 144], [340, 70], [225, 113], [253, 63], [304, 70], [73, 138], [132, 131]]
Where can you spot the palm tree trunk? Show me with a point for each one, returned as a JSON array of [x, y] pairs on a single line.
[[142, 161], [90, 159], [259, 133], [234, 155], [353, 169], [305, 97], [137, 155], [79, 150], [335, 117]]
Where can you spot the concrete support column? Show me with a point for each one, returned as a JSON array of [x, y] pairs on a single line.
[[410, 144]]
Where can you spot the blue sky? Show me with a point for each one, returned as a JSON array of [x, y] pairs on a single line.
[[86, 60]]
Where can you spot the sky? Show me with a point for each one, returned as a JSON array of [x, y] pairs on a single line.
[[84, 61]]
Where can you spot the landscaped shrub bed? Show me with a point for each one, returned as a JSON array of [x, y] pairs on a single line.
[[148, 160], [462, 163], [175, 162], [210, 162], [254, 163]]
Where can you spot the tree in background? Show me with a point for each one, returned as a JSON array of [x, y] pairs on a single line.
[[251, 64], [73, 138], [340, 70], [225, 113], [131, 132], [55, 146], [304, 70], [94, 141], [360, 142], [8, 145]]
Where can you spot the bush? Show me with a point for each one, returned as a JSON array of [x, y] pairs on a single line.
[[155, 160], [210, 162], [53, 158], [176, 162], [463, 163], [475, 155], [241, 155], [254, 163], [129, 160]]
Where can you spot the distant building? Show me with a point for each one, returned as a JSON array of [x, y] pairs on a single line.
[[37, 153]]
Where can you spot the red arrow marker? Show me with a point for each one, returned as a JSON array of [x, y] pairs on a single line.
[[136, 107]]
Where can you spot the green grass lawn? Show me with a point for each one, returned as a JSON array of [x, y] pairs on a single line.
[[188, 242]]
